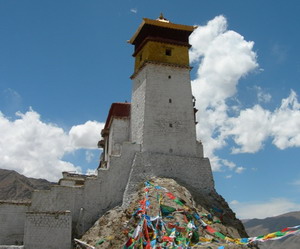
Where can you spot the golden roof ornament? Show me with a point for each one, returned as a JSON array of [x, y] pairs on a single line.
[[161, 18]]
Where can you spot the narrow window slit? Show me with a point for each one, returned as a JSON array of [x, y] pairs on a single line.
[[168, 52]]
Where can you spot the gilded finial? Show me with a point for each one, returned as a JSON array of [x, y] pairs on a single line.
[[162, 18]]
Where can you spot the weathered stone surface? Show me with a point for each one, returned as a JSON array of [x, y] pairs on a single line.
[[115, 224], [48, 230]]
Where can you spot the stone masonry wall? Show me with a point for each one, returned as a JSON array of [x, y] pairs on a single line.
[[138, 108], [192, 172], [48, 230], [169, 125], [89, 202], [119, 133], [107, 191], [12, 220]]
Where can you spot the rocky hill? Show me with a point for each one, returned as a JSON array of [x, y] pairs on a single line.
[[163, 212], [14, 186], [256, 227]]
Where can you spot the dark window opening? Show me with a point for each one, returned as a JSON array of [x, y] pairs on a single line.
[[170, 100], [169, 76], [168, 52], [170, 125]]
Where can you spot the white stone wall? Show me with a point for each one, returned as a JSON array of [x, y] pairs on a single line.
[[200, 152], [89, 202], [162, 111], [119, 133], [192, 172], [48, 230], [67, 182], [107, 192], [11, 247], [12, 220], [59, 198], [138, 107]]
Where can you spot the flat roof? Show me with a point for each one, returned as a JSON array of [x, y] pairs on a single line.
[[117, 110], [162, 24]]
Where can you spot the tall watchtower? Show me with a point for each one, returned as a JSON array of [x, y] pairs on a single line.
[[162, 109]]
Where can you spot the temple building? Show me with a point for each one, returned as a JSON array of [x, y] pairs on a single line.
[[153, 136]]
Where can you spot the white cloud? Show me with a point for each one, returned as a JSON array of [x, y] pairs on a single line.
[[35, 148], [229, 164], [286, 123], [260, 210], [234, 202], [133, 10], [222, 57], [89, 156], [86, 135], [249, 129], [91, 172], [254, 125], [262, 96], [240, 170]]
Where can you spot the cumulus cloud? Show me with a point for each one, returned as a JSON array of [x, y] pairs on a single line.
[[248, 130], [86, 135], [254, 125], [35, 148], [222, 57], [260, 210]]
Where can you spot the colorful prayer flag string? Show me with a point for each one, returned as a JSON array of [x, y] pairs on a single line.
[[163, 231]]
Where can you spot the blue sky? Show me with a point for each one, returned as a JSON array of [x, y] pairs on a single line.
[[62, 64]]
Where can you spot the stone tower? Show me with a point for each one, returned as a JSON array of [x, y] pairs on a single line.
[[162, 118], [162, 112], [153, 136]]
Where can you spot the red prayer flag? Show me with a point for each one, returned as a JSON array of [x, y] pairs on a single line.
[[210, 229], [167, 238], [129, 242], [171, 196]]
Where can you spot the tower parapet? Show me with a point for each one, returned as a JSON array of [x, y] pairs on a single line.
[[161, 41]]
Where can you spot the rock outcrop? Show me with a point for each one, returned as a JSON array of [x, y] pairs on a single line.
[[115, 228]]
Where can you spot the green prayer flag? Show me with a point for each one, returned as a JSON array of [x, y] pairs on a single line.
[[220, 235], [178, 202], [166, 210], [279, 234], [100, 242], [195, 237]]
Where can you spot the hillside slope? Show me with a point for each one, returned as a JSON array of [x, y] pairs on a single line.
[[169, 206], [256, 227], [14, 186]]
